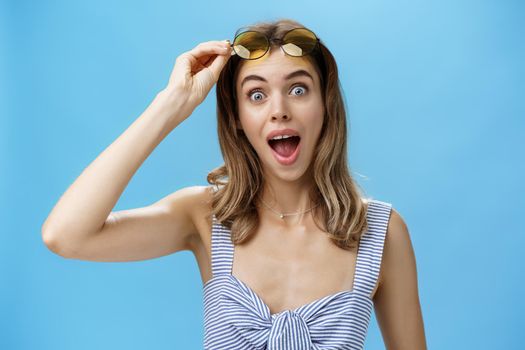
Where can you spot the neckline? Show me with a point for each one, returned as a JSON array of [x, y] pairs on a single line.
[[349, 292], [230, 275], [297, 309]]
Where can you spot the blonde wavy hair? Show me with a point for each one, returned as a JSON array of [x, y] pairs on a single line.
[[238, 182]]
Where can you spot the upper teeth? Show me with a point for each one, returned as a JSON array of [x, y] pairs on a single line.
[[278, 137]]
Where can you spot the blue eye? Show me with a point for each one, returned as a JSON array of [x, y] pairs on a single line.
[[300, 87], [255, 92]]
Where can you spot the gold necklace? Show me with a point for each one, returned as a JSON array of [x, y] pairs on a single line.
[[282, 215]]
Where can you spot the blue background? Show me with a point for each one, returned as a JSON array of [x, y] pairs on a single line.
[[435, 94]]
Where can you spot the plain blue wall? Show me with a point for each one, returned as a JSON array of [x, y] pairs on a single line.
[[435, 94]]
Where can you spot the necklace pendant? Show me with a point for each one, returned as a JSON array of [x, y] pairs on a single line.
[[281, 216]]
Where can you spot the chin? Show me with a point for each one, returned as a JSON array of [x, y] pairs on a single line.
[[288, 174]]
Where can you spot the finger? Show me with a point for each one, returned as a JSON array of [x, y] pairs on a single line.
[[217, 65], [205, 60], [198, 67], [211, 74], [210, 48], [183, 65]]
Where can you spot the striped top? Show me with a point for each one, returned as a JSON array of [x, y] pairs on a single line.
[[236, 318]]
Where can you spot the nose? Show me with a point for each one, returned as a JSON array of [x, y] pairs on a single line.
[[279, 109]]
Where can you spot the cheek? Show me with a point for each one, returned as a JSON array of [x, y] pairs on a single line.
[[250, 128], [314, 115], [251, 113], [315, 120], [246, 114]]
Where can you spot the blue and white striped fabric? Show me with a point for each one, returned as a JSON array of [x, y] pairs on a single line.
[[236, 318]]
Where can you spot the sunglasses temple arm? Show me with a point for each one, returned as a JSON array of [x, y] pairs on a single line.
[[232, 53]]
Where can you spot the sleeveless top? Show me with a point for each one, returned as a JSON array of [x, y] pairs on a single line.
[[235, 317]]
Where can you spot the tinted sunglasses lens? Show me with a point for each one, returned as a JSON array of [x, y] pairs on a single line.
[[299, 42], [250, 45]]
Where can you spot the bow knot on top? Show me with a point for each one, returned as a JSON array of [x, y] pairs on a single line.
[[260, 328]]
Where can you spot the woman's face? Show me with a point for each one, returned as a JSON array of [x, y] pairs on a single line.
[[278, 92]]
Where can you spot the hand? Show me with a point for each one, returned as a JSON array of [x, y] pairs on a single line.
[[197, 70]]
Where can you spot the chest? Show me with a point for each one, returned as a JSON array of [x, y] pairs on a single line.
[[287, 269]]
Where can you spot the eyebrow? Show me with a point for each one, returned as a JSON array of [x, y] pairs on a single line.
[[297, 73]]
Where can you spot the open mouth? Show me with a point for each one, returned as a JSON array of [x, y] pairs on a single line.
[[285, 147]]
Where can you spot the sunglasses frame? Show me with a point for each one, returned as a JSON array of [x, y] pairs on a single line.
[[241, 31]]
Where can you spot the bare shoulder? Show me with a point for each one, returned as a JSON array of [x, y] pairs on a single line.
[[396, 301], [189, 207], [397, 230], [397, 237], [197, 201], [194, 197], [397, 242]]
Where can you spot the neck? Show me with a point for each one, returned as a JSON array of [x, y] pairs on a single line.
[[287, 197]]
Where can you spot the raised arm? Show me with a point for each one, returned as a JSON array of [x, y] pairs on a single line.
[[82, 225], [396, 301]]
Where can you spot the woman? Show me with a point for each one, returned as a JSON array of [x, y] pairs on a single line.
[[291, 254]]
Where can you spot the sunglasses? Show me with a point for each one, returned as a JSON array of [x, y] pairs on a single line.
[[251, 45]]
